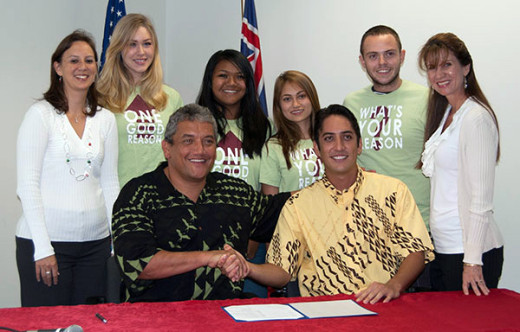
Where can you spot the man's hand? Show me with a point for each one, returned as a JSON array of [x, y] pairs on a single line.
[[377, 291], [408, 271], [231, 263]]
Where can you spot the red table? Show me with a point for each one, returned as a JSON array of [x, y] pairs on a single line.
[[441, 311]]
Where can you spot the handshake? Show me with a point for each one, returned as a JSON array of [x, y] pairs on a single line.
[[230, 262]]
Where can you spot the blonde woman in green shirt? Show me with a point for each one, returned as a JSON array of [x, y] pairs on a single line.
[[131, 86]]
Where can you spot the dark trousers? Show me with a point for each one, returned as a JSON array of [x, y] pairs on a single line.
[[446, 270], [422, 283], [82, 268]]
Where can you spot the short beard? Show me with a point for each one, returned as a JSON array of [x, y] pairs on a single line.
[[378, 84]]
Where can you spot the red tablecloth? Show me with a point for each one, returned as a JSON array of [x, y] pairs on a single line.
[[435, 311]]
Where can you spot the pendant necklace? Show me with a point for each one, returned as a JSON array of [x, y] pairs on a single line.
[[88, 155]]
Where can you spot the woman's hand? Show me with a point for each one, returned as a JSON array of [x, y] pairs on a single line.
[[472, 277], [47, 270]]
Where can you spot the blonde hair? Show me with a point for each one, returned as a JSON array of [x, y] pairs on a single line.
[[116, 83]]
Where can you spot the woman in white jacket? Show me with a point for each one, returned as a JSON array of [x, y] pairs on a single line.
[[461, 151]]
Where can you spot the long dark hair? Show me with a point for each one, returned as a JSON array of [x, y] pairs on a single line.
[[434, 52], [254, 124], [288, 133], [55, 95]]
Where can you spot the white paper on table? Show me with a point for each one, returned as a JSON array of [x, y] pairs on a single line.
[[298, 310], [259, 312], [338, 308]]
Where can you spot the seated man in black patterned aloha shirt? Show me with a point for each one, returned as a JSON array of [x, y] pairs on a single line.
[[177, 230]]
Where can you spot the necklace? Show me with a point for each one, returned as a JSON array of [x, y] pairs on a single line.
[[76, 118], [88, 155]]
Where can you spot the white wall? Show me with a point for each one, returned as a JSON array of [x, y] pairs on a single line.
[[30, 31], [320, 38]]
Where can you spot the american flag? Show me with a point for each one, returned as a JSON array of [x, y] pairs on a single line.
[[115, 11], [250, 47]]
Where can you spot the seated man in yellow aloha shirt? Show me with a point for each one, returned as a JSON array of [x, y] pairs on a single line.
[[350, 232]]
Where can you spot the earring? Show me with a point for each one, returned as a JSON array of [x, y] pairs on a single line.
[[59, 79], [465, 82]]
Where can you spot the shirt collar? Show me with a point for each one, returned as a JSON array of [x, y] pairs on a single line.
[[164, 187], [351, 191]]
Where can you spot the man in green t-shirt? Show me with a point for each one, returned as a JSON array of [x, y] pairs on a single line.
[[391, 114]]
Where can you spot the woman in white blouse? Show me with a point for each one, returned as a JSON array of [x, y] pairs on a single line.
[[461, 151], [67, 183]]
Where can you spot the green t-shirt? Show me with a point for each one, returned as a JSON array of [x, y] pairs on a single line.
[[231, 158], [392, 133], [141, 130], [306, 166]]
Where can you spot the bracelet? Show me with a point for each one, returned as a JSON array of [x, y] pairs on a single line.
[[471, 265]]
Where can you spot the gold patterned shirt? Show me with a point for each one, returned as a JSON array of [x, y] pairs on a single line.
[[341, 241]]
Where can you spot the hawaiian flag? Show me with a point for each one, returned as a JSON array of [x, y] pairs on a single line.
[[115, 11], [250, 47]]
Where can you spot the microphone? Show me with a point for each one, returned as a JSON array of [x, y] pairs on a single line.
[[72, 328]]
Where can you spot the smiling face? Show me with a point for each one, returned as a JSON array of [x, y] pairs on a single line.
[[382, 61], [139, 53], [447, 78], [229, 87], [338, 150], [296, 105], [191, 155], [78, 67]]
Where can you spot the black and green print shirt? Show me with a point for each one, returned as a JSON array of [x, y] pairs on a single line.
[[151, 215]]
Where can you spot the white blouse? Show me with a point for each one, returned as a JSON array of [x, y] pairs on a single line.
[[461, 163], [58, 205]]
